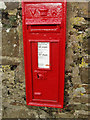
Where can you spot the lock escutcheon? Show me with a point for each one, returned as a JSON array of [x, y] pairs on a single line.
[[40, 76]]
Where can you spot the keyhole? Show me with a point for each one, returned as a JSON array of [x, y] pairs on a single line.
[[37, 76]]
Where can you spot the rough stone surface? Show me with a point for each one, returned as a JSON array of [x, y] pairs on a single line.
[[76, 95], [10, 42], [84, 75], [11, 5]]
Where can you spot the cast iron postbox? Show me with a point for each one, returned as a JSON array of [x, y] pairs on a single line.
[[44, 31]]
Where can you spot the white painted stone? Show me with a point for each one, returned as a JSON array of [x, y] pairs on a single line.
[[2, 5], [81, 89], [14, 45], [8, 30]]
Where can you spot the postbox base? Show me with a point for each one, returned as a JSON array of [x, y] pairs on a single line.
[[45, 105]]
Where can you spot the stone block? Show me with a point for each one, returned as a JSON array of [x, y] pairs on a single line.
[[8, 20], [83, 9], [84, 75], [81, 114], [78, 106], [82, 99], [6, 60], [10, 42], [75, 75], [87, 88], [64, 115], [69, 58], [12, 5]]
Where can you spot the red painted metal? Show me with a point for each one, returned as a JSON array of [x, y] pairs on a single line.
[[44, 21]]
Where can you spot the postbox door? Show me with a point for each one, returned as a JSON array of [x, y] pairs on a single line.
[[45, 71]]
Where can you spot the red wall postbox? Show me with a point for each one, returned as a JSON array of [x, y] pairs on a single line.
[[44, 34]]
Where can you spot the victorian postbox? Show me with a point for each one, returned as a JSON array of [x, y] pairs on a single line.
[[44, 34]]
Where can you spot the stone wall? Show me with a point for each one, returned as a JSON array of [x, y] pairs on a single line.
[[76, 99]]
